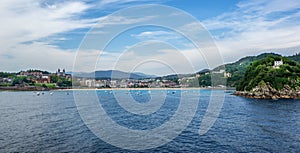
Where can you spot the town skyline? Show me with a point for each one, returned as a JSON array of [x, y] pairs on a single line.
[[119, 79]]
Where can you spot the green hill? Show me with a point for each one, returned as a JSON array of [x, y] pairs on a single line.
[[238, 68], [295, 57], [263, 70]]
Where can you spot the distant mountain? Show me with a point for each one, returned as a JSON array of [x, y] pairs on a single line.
[[203, 71], [295, 57], [114, 74], [145, 75], [174, 77]]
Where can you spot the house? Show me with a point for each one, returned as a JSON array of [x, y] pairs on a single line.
[[227, 75], [31, 73], [277, 64], [45, 79], [6, 80], [68, 77], [89, 82]]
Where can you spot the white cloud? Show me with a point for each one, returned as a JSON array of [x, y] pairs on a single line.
[[29, 27], [176, 39], [257, 26], [154, 57], [28, 21], [116, 4], [36, 55], [119, 20], [157, 35], [24, 22]]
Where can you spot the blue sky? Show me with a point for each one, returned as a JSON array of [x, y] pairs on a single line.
[[46, 34], [200, 9]]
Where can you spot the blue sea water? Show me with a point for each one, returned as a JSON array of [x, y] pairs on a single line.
[[51, 123]]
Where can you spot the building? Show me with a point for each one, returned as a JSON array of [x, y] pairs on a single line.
[[61, 73], [45, 79], [218, 72], [31, 73], [227, 75], [89, 83], [277, 64], [5, 80]]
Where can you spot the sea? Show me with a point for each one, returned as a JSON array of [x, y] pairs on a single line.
[[51, 121]]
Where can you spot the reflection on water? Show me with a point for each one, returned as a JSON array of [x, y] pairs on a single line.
[[51, 123]]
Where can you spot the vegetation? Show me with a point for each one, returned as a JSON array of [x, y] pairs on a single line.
[[30, 78], [295, 57], [35, 70], [263, 71], [22, 80], [7, 75], [60, 81], [205, 80], [45, 85], [238, 68], [237, 71]]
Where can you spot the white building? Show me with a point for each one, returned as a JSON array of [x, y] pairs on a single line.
[[277, 64], [227, 74], [89, 83], [218, 72]]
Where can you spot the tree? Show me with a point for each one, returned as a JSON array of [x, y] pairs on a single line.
[[263, 70]]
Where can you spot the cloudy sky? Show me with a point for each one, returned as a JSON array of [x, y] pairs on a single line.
[[48, 34]]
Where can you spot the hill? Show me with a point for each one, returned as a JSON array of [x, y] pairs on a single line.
[[295, 57], [286, 73], [238, 68]]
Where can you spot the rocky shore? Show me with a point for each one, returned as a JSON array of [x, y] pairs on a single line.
[[266, 91]]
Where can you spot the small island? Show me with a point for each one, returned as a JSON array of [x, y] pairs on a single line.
[[274, 77]]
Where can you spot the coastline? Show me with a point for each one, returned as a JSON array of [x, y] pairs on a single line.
[[29, 88], [274, 96], [34, 88], [266, 91], [192, 88]]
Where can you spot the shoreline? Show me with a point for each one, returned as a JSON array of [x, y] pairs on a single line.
[[276, 96], [29, 88], [103, 89], [266, 91]]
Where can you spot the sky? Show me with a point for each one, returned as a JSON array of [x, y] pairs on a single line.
[[50, 34]]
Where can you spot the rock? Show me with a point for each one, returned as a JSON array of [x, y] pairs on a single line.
[[266, 91], [275, 97]]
